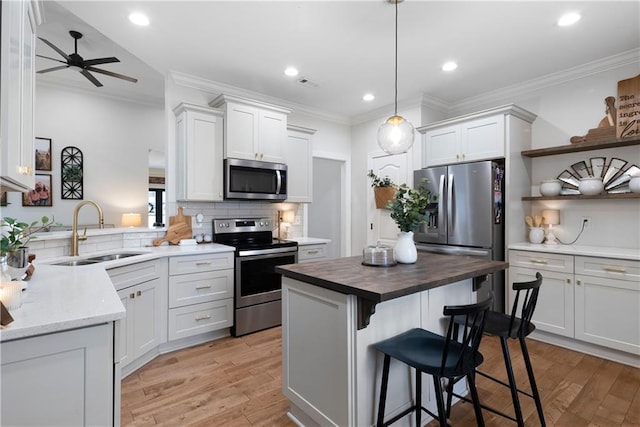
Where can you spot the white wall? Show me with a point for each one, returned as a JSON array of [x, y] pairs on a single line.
[[114, 136]]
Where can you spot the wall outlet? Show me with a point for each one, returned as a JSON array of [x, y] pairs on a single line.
[[586, 220]]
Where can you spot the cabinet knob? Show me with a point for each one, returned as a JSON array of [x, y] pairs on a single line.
[[138, 293], [578, 282], [132, 295], [457, 156], [568, 281]]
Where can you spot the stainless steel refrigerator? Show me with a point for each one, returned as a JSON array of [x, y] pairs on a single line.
[[468, 216]]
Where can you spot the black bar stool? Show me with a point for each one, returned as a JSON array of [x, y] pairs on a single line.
[[510, 326], [452, 357]]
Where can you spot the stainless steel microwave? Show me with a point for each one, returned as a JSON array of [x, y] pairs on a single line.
[[254, 180]]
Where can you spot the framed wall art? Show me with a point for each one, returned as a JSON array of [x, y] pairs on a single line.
[[43, 154], [72, 182], [41, 194]]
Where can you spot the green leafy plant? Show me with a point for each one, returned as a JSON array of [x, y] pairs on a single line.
[[379, 182], [16, 234], [409, 205]]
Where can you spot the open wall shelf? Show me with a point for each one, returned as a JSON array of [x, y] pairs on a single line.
[[582, 146], [616, 196]]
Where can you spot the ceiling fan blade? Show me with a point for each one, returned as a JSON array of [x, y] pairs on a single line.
[[54, 47], [112, 74], [91, 78], [53, 59], [48, 70], [99, 61]]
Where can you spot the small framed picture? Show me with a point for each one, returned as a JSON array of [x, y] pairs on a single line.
[[41, 194], [43, 154]]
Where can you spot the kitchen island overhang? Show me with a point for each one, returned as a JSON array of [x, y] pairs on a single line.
[[373, 285]]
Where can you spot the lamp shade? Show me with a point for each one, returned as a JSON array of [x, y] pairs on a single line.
[[551, 216], [131, 220], [396, 135], [288, 216]]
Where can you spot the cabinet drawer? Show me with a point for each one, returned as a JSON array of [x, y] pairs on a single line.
[[200, 287], [311, 252], [199, 263], [608, 267], [200, 318], [541, 261], [129, 275]]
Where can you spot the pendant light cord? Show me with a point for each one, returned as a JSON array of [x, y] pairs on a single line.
[[396, 64]]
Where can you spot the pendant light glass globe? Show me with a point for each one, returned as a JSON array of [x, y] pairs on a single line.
[[395, 135]]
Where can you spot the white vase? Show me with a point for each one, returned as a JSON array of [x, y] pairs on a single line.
[[405, 249], [536, 234]]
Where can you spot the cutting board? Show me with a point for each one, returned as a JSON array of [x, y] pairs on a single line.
[[175, 233], [181, 218]]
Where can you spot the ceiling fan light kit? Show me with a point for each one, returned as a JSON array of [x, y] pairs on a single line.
[[396, 134], [79, 64]]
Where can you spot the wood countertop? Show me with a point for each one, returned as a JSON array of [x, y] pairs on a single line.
[[377, 284]]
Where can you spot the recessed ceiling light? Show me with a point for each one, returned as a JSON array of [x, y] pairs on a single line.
[[449, 66], [139, 19], [291, 71], [368, 97], [568, 19]]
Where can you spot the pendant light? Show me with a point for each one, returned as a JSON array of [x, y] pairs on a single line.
[[396, 134]]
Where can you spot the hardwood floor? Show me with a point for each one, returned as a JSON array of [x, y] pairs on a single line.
[[237, 382]]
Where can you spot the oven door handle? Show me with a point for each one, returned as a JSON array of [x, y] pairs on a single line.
[[267, 251], [278, 181]]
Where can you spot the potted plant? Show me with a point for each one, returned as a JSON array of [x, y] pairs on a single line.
[[15, 237], [407, 210], [383, 189]]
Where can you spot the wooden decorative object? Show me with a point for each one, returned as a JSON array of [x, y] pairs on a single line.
[[628, 123], [383, 195], [606, 128]]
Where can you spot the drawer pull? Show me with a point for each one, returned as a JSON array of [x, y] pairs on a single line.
[[205, 317], [538, 261], [138, 293], [313, 252], [614, 269], [568, 281], [203, 263], [579, 282], [203, 287], [132, 295]]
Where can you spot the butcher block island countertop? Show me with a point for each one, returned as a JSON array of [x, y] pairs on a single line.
[[377, 284], [334, 311]]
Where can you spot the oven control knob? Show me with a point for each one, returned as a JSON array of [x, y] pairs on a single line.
[[266, 224]]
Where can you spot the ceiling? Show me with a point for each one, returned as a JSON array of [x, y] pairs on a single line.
[[343, 48]]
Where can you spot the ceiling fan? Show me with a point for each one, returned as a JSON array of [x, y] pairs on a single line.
[[77, 63]]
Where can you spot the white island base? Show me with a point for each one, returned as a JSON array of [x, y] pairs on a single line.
[[332, 374]]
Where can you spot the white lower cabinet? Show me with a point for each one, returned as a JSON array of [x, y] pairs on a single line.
[[591, 299], [62, 379], [200, 294], [308, 253], [142, 288]]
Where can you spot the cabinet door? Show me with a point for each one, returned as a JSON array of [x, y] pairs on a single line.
[[554, 310], [482, 139], [272, 134], [441, 146], [124, 332], [309, 253], [241, 132], [199, 156], [147, 317], [608, 312], [299, 167]]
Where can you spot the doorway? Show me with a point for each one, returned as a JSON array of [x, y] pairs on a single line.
[[327, 213]]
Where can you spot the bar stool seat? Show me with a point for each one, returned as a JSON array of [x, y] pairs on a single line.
[[453, 356]]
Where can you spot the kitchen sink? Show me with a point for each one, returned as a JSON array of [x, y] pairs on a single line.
[[112, 257], [76, 262]]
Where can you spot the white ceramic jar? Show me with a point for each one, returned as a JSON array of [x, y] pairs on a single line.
[[634, 184], [536, 234], [590, 186], [550, 187]]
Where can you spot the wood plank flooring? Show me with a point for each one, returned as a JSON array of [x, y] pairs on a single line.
[[237, 382]]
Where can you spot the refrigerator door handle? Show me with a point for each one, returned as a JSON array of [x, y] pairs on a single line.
[[450, 205], [441, 223]]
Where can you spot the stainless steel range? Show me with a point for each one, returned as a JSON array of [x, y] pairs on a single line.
[[257, 286]]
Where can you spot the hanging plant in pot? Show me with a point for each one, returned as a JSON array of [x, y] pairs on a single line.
[[383, 189], [13, 244], [407, 210]]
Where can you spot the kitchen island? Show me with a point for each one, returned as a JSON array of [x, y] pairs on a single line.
[[332, 311]]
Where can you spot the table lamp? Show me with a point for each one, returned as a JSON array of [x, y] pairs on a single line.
[[551, 218], [131, 220], [285, 218]]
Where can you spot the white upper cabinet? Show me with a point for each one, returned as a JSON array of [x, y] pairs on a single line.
[[480, 136], [199, 153], [253, 130], [17, 73], [298, 158]]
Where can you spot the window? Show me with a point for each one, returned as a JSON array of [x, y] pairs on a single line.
[[157, 202]]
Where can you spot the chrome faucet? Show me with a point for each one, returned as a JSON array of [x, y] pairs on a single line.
[[75, 238]]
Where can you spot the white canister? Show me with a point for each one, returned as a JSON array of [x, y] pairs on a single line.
[[590, 186], [536, 234], [634, 184], [550, 187]]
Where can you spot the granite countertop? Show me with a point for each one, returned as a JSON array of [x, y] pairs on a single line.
[[62, 297], [377, 284], [594, 251]]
